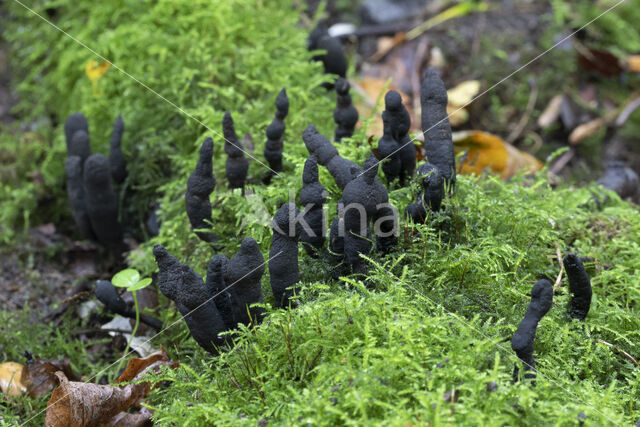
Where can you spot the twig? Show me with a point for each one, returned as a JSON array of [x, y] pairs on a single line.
[[559, 256], [619, 351], [562, 161]]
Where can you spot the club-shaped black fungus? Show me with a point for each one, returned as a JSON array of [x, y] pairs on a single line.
[[75, 193], [334, 59], [312, 197], [283, 254], [275, 131], [217, 287], [400, 123], [523, 339], [237, 165], [342, 170], [364, 201], [242, 276], [199, 186], [579, 286], [116, 158], [431, 196], [345, 114], [389, 150], [76, 131], [436, 127], [108, 295], [186, 288], [101, 201]]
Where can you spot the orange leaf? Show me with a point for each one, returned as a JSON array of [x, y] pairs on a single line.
[[487, 151]]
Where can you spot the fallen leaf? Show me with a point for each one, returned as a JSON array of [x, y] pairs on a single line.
[[38, 376], [85, 404], [457, 115], [135, 365], [10, 378], [552, 112], [586, 130], [634, 63], [463, 93], [484, 150]]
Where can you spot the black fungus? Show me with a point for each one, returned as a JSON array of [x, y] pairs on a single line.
[[400, 123], [283, 254], [75, 194], [342, 170], [242, 276], [436, 127], [345, 114], [199, 186], [116, 159], [275, 131], [76, 131], [193, 298], [523, 339], [237, 165], [431, 196], [101, 201], [365, 200], [218, 288], [389, 151], [579, 286], [333, 59], [312, 197]]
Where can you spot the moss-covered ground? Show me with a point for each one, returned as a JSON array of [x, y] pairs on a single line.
[[425, 340]]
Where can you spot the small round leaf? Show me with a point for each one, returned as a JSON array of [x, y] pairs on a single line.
[[141, 284], [126, 278]]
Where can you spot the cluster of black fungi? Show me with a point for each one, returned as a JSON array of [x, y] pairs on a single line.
[[232, 291]]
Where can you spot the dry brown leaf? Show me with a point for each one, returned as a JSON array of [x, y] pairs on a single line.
[[38, 376], [552, 112], [485, 150], [586, 130], [136, 366], [10, 378], [85, 404]]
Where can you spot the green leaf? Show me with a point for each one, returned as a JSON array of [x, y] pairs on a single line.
[[126, 278], [141, 284]]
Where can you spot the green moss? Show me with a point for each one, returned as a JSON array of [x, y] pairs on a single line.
[[435, 316]]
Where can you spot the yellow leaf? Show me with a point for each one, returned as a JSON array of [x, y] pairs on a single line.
[[94, 70], [457, 115], [10, 378], [464, 93], [485, 150], [634, 63]]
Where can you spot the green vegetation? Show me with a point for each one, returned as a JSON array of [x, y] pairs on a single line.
[[434, 317]]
